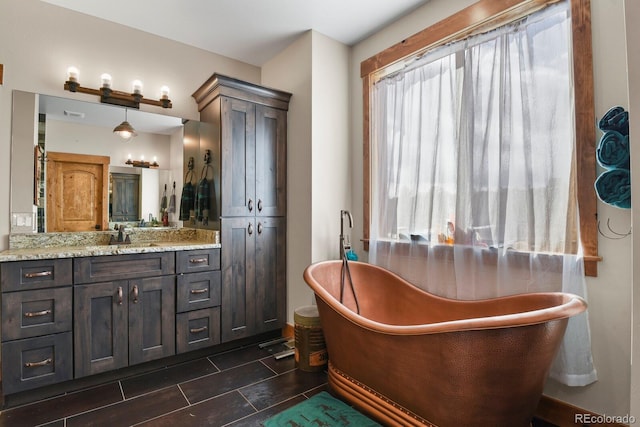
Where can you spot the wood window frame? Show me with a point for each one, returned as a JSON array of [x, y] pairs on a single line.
[[479, 17]]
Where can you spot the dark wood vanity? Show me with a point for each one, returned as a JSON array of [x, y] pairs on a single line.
[[70, 318]]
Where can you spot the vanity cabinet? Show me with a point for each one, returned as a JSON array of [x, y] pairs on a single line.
[[249, 124], [37, 348], [197, 299], [124, 310]]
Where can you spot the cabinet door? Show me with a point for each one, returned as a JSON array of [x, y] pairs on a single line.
[[270, 285], [238, 278], [125, 195], [152, 311], [271, 161], [238, 128], [100, 325]]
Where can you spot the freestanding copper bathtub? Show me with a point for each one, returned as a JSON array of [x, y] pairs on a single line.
[[412, 358]]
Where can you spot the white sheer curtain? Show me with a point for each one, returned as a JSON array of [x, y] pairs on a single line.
[[473, 194]]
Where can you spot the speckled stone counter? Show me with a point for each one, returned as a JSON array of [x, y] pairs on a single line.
[[33, 246]]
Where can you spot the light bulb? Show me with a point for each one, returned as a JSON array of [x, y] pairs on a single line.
[[164, 92], [137, 87], [72, 74], [106, 80]]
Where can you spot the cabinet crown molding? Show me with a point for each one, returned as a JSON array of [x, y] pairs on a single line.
[[220, 85]]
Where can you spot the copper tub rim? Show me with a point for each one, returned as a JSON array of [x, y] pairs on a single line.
[[571, 305]]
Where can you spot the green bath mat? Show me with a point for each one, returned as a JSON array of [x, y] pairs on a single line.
[[320, 410]]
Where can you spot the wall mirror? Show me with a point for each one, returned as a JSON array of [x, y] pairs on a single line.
[[78, 128]]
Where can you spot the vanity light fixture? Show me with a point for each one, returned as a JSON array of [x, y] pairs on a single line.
[[124, 130], [107, 95], [141, 163]]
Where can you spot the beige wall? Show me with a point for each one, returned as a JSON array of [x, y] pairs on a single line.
[[331, 187], [610, 293]]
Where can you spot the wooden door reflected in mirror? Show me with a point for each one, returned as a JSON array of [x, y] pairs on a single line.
[[77, 192]]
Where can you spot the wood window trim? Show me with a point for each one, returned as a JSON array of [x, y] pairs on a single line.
[[481, 16]]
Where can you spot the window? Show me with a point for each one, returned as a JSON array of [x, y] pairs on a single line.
[[422, 195]]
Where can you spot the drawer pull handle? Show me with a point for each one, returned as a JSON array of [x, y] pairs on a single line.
[[198, 330], [199, 291], [119, 295], [37, 313], [45, 362], [39, 274], [198, 260], [135, 294]]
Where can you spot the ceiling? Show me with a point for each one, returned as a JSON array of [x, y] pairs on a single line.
[[251, 31], [105, 115]]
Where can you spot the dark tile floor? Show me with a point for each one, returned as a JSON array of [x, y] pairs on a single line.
[[240, 387]]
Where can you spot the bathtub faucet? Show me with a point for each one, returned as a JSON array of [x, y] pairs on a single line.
[[345, 244]]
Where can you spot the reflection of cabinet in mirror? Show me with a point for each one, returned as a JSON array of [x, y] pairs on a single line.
[[124, 197]]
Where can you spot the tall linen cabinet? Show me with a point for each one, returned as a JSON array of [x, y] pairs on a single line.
[[245, 128]]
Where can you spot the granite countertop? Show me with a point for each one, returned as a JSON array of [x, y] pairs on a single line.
[[69, 245]]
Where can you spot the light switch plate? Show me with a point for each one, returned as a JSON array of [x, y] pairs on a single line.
[[22, 221]]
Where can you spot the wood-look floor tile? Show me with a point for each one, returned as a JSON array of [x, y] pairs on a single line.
[[280, 365], [282, 387], [225, 381], [244, 355], [59, 423], [132, 411], [59, 407], [172, 375], [214, 412], [257, 419]]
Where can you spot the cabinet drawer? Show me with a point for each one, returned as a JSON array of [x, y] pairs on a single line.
[[118, 267], [36, 362], [197, 329], [26, 275], [32, 313], [197, 260], [198, 290]]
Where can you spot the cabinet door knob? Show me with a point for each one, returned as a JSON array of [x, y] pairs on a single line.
[[250, 205], [250, 229], [259, 205], [259, 228], [135, 294], [119, 295]]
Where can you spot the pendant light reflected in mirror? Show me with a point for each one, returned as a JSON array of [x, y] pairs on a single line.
[[124, 130]]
